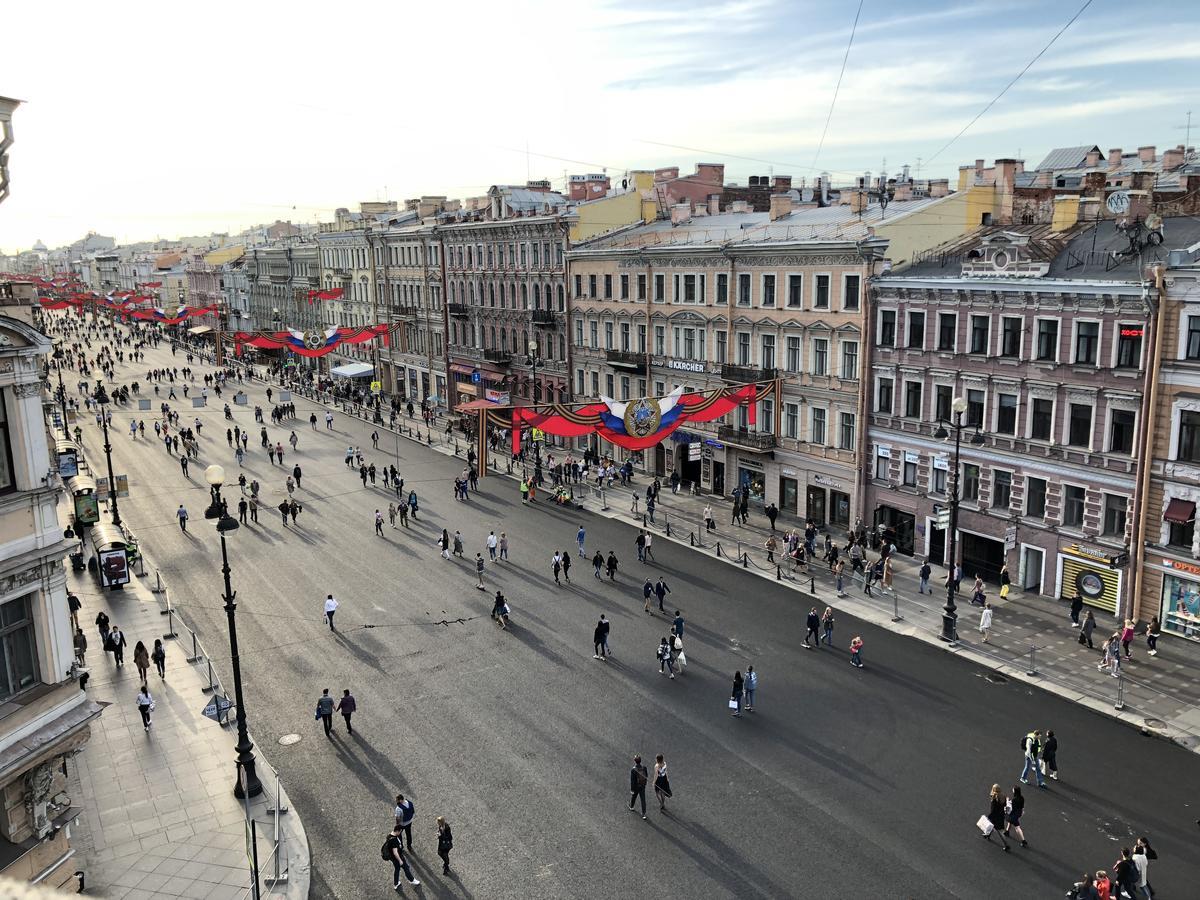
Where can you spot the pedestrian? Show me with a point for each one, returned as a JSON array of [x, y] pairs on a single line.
[[1050, 756], [1014, 809], [1086, 629], [254, 509], [556, 566], [827, 626], [1143, 848], [491, 545], [479, 570], [1127, 634], [346, 706], [977, 593], [159, 657], [735, 700], [1076, 609], [243, 508], [183, 464], [839, 577], [379, 523], [812, 624], [392, 514], [504, 545], [393, 847], [402, 511], [141, 659], [985, 622], [524, 491], [331, 607], [662, 786], [612, 566], [770, 544], [649, 552], [443, 544], [856, 646], [751, 685], [995, 817], [566, 565], [772, 514], [600, 639], [445, 839], [1153, 630], [80, 642], [647, 593], [296, 473], [640, 543], [145, 705], [1032, 747], [709, 524], [1126, 874], [665, 660], [182, 515], [660, 591], [638, 776], [580, 536], [325, 712], [597, 563], [116, 643], [406, 811]]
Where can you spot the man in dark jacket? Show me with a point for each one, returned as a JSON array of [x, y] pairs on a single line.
[[637, 784], [813, 623], [346, 706], [116, 643], [600, 638]]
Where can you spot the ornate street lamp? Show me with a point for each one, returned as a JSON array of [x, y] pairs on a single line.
[[101, 397], [957, 407]]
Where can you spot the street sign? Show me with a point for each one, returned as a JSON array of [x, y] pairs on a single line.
[[1010, 538], [942, 518], [217, 708], [693, 451], [122, 486], [476, 377]]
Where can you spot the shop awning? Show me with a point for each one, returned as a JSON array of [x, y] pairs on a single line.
[[199, 329], [352, 370], [474, 405], [1180, 512]]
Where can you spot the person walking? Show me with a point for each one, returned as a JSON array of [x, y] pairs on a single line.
[[393, 849], [296, 473], [856, 646], [662, 785], [640, 543], [665, 660], [1031, 744], [504, 546], [1143, 848], [735, 701], [1127, 633], [443, 544], [253, 505], [566, 565], [491, 545], [243, 508], [985, 622], [145, 705], [182, 515], [406, 812], [995, 817], [649, 552], [116, 643], [597, 564], [827, 626], [141, 659], [612, 566], [445, 843], [556, 566], [1086, 629], [347, 706], [379, 523], [812, 624], [600, 638], [647, 593], [158, 656], [331, 607], [772, 512], [580, 537], [660, 591], [1050, 756], [1076, 609], [325, 712], [479, 570], [1153, 630], [839, 577], [1014, 809], [1126, 875], [638, 777], [751, 685], [80, 642]]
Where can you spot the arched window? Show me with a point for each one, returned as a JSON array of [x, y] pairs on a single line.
[[561, 301], [492, 337], [537, 296], [503, 340], [524, 297]]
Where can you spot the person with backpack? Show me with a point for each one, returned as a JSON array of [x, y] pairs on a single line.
[[393, 852], [1031, 747], [1125, 874]]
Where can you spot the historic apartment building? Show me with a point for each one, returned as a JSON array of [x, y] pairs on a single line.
[[44, 715], [279, 277], [1041, 329], [712, 297]]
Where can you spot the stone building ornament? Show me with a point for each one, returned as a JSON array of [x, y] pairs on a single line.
[[39, 782]]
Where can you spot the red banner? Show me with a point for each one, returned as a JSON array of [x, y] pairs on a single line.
[[330, 294], [312, 343]]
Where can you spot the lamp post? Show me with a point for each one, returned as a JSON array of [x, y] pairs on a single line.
[[957, 407], [101, 397], [62, 391], [246, 784], [533, 389]]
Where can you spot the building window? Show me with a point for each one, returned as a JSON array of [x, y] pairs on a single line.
[[624, 283], [1181, 534], [768, 290], [793, 354], [970, 482], [578, 335], [743, 348], [722, 288], [593, 333], [641, 287], [641, 337], [943, 397], [625, 337], [887, 328], [1120, 434], [578, 285], [1087, 339], [820, 356], [851, 288], [883, 395], [939, 481], [1073, 500], [1006, 414], [17, 645], [719, 339], [979, 334], [660, 288], [1041, 419], [1047, 340], [607, 283], [1189, 437], [7, 484], [1079, 426], [846, 441], [947, 326], [916, 330], [1114, 514], [1035, 497], [849, 360], [660, 340], [795, 294], [818, 426], [768, 352], [791, 420], [821, 301], [975, 408], [910, 471], [1010, 337], [1001, 489], [912, 399], [1129, 346], [744, 289], [883, 463]]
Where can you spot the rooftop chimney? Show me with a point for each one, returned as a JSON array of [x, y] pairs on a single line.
[[680, 213], [782, 183], [1093, 159], [1146, 154], [1114, 157], [939, 187], [858, 201], [903, 191], [739, 206], [781, 205], [714, 204], [1173, 158]]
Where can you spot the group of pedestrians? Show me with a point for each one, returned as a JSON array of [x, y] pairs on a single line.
[[1130, 878], [112, 640]]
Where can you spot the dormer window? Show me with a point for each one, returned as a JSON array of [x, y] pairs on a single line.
[[1000, 259]]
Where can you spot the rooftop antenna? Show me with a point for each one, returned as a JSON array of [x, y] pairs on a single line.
[[1187, 128], [527, 160], [918, 168]]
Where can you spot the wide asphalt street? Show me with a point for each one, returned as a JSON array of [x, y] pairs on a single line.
[[843, 782]]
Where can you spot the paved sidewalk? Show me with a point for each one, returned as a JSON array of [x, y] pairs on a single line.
[[160, 818]]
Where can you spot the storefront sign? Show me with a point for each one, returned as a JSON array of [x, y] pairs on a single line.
[[716, 445], [885, 452], [791, 472], [911, 456], [693, 452], [827, 482], [1181, 566], [1010, 538], [683, 365], [750, 464], [1112, 559], [495, 396], [942, 462]]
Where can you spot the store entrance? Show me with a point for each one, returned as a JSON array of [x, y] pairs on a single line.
[[981, 556], [688, 469], [899, 526], [815, 505], [718, 475], [937, 545]]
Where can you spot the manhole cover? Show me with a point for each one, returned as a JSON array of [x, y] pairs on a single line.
[[997, 678], [288, 739], [1154, 723]]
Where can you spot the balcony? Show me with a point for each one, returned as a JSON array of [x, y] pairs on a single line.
[[626, 359], [543, 317], [460, 310], [499, 357], [759, 441], [745, 374]]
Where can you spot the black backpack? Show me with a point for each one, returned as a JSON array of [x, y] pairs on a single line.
[[386, 850]]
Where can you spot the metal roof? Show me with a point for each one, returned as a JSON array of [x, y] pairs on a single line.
[[1067, 157]]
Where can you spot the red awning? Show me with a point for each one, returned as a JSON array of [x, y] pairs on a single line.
[[1180, 512], [473, 405]]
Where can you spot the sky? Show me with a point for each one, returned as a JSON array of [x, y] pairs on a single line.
[[151, 120]]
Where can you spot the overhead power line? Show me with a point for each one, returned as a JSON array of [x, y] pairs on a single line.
[[837, 87], [1017, 78]]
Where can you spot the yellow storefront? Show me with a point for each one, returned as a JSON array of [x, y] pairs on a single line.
[[1097, 576]]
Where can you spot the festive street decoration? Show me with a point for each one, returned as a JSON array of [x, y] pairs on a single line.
[[184, 313], [328, 294], [312, 343]]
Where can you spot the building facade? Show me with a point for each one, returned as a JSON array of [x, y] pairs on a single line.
[[279, 277], [408, 275]]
